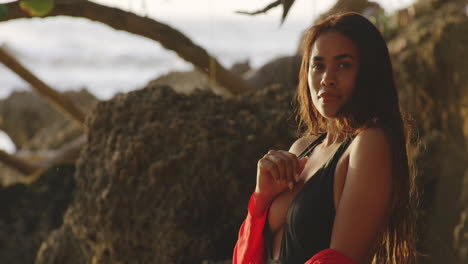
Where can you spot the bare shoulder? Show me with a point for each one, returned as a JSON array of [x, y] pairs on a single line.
[[371, 140], [301, 143], [365, 203], [370, 155]]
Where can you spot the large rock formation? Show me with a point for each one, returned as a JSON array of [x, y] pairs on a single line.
[[430, 63], [165, 177]]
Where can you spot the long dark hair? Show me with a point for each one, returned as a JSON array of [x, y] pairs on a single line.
[[374, 103]]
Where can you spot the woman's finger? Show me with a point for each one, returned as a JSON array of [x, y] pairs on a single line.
[[278, 159], [288, 166], [270, 166], [294, 163]]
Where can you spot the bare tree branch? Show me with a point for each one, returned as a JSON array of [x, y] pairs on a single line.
[[60, 102], [167, 36], [286, 7], [20, 165], [67, 153], [261, 11]]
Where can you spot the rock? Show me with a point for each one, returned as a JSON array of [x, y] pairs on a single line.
[[30, 212], [241, 68], [430, 67], [461, 230], [166, 177], [33, 124], [188, 82], [283, 71], [61, 244]]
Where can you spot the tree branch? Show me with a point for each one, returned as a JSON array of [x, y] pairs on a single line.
[[261, 11], [69, 152], [60, 102], [286, 6], [167, 36], [20, 165]]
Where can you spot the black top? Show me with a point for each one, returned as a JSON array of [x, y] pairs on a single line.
[[309, 220]]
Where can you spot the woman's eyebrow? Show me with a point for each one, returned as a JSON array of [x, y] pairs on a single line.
[[342, 56], [337, 57]]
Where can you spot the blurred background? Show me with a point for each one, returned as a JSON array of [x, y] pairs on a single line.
[[76, 53], [130, 130]]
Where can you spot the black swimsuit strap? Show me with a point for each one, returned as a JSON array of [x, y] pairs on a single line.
[[311, 146]]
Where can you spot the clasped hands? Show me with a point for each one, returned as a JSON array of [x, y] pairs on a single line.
[[278, 171]]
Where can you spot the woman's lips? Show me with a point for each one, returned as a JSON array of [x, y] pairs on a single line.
[[329, 97]]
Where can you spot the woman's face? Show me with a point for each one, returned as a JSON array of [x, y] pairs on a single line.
[[333, 68]]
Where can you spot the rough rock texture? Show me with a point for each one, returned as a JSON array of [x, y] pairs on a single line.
[[283, 71], [62, 244], [166, 177], [430, 62], [29, 212], [188, 82], [27, 118]]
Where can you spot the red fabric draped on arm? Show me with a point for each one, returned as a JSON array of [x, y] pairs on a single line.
[[250, 246]]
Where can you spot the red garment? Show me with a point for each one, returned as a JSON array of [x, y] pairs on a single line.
[[250, 246]]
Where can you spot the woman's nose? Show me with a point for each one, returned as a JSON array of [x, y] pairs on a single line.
[[328, 80]]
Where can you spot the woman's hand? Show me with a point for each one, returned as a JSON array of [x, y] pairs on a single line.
[[277, 172]]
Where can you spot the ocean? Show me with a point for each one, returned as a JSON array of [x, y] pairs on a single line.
[[75, 53]]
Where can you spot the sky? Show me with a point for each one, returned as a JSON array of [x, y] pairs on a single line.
[[167, 9], [177, 9], [170, 11]]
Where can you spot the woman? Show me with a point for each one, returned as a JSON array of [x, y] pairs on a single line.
[[343, 192]]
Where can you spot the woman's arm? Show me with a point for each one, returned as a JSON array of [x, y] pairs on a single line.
[[364, 207], [250, 246]]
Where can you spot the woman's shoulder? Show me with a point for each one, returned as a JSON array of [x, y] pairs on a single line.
[[371, 143], [371, 137], [302, 143]]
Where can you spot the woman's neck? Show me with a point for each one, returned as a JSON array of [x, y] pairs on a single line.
[[333, 135]]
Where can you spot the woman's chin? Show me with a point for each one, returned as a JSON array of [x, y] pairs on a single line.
[[327, 114]]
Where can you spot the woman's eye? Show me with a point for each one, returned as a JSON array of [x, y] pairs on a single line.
[[317, 66], [343, 65]]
